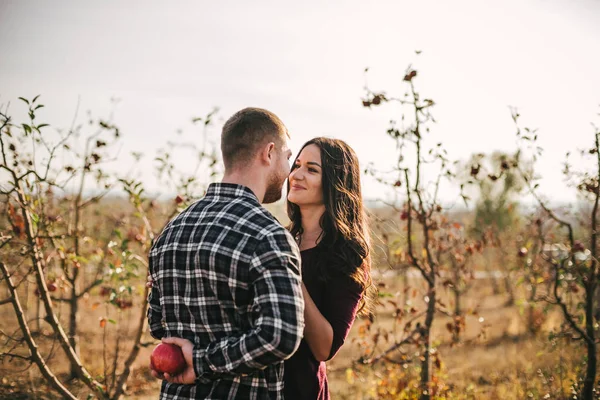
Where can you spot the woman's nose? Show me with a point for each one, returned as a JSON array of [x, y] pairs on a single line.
[[296, 174]]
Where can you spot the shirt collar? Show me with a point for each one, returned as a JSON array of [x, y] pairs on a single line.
[[230, 190]]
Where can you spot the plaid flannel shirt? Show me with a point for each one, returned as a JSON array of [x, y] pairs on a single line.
[[227, 277]]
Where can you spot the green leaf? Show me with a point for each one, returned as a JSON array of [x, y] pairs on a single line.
[[25, 100], [27, 128], [41, 126], [112, 321], [520, 281], [35, 98], [38, 106]]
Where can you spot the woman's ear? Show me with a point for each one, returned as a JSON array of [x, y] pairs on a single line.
[[267, 153]]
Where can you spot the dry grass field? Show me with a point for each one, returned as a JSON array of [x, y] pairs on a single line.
[[506, 362]]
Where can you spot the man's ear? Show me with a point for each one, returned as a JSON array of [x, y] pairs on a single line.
[[268, 153]]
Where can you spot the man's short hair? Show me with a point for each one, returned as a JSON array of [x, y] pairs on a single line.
[[246, 131]]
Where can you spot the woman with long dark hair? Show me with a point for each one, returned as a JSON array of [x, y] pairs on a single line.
[[328, 220]]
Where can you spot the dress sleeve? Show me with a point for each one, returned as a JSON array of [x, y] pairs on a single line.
[[340, 305]]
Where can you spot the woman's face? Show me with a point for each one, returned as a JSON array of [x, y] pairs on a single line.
[[306, 178]]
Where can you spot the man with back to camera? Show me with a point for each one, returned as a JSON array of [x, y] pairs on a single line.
[[226, 275]]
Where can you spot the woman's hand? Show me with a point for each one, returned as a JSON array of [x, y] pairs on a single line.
[[149, 282]]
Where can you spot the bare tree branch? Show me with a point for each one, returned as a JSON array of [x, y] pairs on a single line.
[[33, 348]]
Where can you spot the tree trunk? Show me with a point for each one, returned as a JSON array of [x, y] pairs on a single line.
[[508, 284], [73, 301], [38, 315], [405, 283], [457, 311], [426, 370], [533, 329], [73, 324], [590, 373], [592, 361], [509, 289], [491, 274]]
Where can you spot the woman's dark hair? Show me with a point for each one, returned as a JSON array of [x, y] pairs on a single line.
[[345, 238]]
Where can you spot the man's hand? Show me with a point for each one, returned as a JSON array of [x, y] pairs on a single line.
[[188, 375]]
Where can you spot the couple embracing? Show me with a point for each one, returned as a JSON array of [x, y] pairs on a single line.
[[257, 308]]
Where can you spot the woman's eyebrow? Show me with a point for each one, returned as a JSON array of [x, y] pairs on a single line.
[[299, 161]]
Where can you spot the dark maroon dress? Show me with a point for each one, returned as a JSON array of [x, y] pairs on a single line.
[[305, 378]]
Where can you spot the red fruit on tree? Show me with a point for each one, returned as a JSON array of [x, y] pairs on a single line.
[[523, 251], [167, 358], [578, 246], [408, 77], [131, 234], [123, 304], [105, 291], [52, 287]]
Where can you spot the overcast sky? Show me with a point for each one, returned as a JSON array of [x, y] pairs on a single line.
[[170, 61]]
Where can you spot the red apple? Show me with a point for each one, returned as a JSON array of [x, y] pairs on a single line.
[[523, 252], [167, 358], [105, 290], [578, 246]]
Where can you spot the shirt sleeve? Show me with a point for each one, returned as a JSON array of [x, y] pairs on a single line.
[[155, 310], [340, 306], [277, 314]]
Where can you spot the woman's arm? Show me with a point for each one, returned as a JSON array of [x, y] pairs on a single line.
[[318, 332], [327, 327]]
